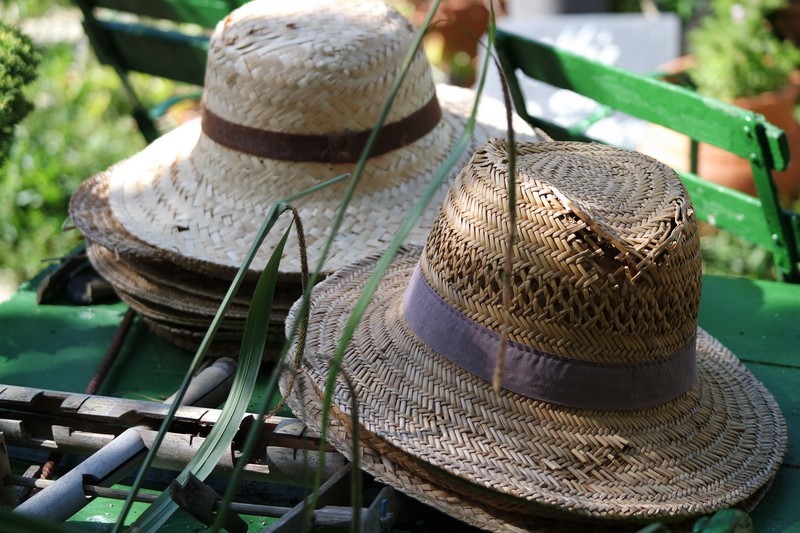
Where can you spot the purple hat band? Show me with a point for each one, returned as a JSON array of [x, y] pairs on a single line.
[[540, 375]]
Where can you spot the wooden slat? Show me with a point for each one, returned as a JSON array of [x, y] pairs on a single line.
[[778, 511], [784, 384], [680, 109], [704, 119], [758, 320], [161, 53], [729, 209], [202, 12]]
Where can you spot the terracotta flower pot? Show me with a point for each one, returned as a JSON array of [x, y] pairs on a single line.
[[456, 29], [725, 168]]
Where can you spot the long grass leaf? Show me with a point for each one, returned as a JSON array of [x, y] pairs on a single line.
[[511, 185], [218, 440], [254, 432], [356, 177], [384, 262], [269, 221]]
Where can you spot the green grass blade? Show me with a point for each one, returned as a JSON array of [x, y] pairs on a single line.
[[218, 440], [355, 180], [254, 432], [384, 262], [269, 221]]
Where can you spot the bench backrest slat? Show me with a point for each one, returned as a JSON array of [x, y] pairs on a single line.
[[165, 38], [204, 13]]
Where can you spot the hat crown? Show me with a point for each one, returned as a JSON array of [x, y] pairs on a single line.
[[312, 66], [606, 265]]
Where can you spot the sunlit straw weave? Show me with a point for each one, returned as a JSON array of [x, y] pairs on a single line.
[[302, 67], [308, 67], [606, 270]]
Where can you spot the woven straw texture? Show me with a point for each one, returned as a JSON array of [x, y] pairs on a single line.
[[182, 289], [307, 67], [179, 305], [717, 445], [591, 217], [466, 502]]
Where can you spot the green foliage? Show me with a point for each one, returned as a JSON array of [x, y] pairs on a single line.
[[685, 9], [736, 53], [18, 63], [17, 9], [80, 125], [726, 254]]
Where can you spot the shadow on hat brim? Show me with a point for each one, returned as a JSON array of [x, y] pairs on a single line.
[[183, 317], [224, 344], [716, 446], [182, 290]]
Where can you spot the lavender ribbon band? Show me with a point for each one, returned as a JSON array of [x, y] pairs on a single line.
[[541, 375]]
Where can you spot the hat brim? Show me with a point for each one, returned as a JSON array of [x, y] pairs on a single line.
[[190, 200], [716, 446]]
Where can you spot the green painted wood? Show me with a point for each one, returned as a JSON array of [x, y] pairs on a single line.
[[758, 320], [786, 246], [729, 209], [167, 54], [144, 45], [202, 12], [778, 511], [59, 347], [676, 107], [101, 514], [784, 384]]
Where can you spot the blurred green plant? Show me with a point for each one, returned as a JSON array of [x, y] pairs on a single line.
[[685, 9], [13, 10], [726, 254], [80, 125], [18, 63], [737, 54]]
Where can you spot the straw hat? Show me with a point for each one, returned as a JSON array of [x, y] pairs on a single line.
[[614, 404], [179, 305], [292, 91]]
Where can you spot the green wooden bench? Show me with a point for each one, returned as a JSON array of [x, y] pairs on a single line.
[[757, 320], [165, 38]]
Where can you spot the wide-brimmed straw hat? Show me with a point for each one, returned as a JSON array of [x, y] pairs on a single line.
[[292, 91], [179, 304], [614, 405]]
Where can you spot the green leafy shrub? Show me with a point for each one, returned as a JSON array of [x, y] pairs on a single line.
[[737, 54], [80, 125], [18, 63]]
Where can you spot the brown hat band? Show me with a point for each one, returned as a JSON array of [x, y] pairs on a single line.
[[541, 375], [343, 147]]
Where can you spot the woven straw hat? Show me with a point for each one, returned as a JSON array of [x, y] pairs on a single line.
[[292, 90], [179, 304], [614, 405]]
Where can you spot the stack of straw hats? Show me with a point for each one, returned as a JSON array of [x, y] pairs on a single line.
[[611, 405], [292, 92]]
